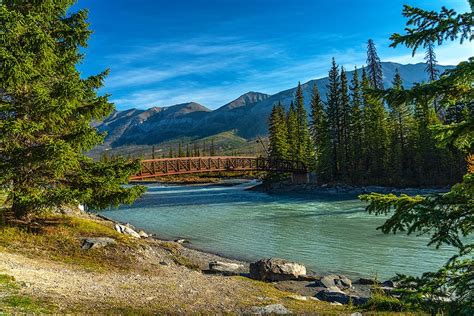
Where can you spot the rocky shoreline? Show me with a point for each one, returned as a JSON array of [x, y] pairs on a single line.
[[283, 274]]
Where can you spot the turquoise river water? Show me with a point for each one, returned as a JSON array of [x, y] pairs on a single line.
[[327, 234]]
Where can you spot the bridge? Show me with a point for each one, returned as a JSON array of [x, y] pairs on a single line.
[[153, 168]]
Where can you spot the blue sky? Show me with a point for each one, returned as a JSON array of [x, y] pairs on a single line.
[[164, 52]]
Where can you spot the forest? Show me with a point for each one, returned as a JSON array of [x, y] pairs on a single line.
[[358, 137]]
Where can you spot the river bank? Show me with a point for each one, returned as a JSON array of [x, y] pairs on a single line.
[[338, 189], [79, 263]]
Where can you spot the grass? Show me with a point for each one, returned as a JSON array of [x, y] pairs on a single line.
[[58, 237], [13, 302]]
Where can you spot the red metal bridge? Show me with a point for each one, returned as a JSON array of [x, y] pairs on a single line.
[[153, 168]]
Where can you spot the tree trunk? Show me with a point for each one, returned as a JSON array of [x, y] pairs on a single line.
[[19, 211]]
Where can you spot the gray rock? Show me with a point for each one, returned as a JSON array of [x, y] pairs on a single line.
[[334, 294], [96, 242], [332, 280], [225, 268], [389, 283], [278, 309], [123, 229], [181, 241], [275, 269]]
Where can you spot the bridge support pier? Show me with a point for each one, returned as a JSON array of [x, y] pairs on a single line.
[[300, 178]]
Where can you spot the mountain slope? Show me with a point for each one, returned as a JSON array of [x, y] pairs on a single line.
[[247, 115]]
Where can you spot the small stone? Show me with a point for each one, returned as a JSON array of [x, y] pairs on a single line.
[[298, 297], [163, 263], [96, 242], [142, 234], [181, 241], [225, 268], [336, 303], [124, 229], [356, 314], [277, 309]]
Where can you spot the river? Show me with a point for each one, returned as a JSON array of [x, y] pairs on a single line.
[[327, 234]]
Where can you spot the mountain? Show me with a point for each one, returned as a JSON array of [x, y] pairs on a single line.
[[247, 115]]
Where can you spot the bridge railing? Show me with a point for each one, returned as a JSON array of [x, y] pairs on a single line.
[[182, 165]]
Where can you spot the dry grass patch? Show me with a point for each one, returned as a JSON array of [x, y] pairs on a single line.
[[58, 237]]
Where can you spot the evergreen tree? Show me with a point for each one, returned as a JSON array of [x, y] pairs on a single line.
[[447, 217], [180, 150], [400, 123], [170, 153], [46, 111], [212, 149], [374, 67], [333, 107], [278, 133], [188, 152], [375, 133], [431, 62], [292, 125], [321, 136], [303, 138], [356, 129], [344, 112]]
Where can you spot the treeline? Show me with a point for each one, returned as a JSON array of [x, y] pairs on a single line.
[[359, 138]]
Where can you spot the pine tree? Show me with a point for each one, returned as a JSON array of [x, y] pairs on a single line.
[[400, 123], [375, 134], [278, 133], [212, 149], [46, 111], [431, 62], [356, 129], [320, 134], [303, 138], [292, 125], [188, 152], [447, 217], [374, 67], [170, 153], [180, 150], [344, 112], [333, 106]]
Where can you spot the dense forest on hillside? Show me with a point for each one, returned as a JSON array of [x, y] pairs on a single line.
[[358, 137]]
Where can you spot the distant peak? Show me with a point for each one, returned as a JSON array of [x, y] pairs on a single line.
[[245, 99]]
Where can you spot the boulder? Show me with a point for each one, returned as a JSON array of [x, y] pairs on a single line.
[[126, 230], [96, 242], [389, 283], [275, 269], [278, 309], [225, 268], [334, 294], [333, 280]]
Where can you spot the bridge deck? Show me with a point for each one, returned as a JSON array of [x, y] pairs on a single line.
[[153, 168]]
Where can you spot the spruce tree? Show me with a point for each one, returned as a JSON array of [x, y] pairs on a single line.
[[333, 106], [431, 62], [292, 125], [278, 133], [375, 133], [446, 217], [374, 67], [356, 129], [303, 140], [400, 123], [320, 134], [344, 113], [47, 110]]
